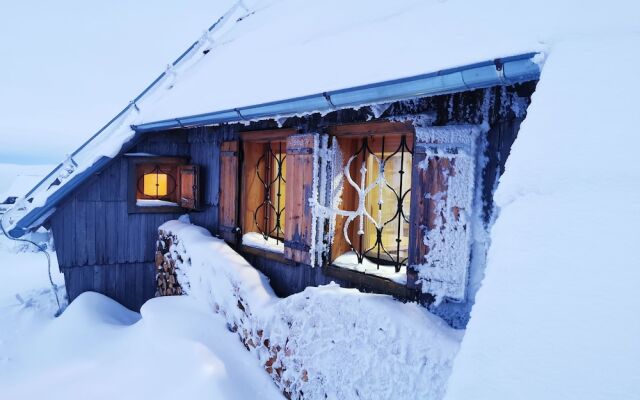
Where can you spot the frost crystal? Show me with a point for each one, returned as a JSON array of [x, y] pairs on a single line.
[[451, 156]]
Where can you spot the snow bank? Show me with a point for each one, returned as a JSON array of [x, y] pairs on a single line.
[[324, 342], [557, 314], [100, 350]]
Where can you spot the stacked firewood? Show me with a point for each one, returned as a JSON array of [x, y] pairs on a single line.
[[166, 278]]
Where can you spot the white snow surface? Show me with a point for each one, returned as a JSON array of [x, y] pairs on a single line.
[[155, 203], [349, 260], [352, 345], [98, 349], [416, 37], [557, 314], [256, 240]]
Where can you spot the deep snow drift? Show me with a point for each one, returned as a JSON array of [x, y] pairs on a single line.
[[557, 315], [100, 350]]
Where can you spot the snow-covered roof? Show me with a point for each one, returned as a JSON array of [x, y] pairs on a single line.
[[269, 50]]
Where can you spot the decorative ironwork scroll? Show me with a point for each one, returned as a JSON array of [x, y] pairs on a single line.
[[273, 182], [376, 250]]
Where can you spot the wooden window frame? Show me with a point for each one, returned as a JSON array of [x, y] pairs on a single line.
[[132, 184], [250, 189]]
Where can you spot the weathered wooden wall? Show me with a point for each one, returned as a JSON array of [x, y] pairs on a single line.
[[103, 248]]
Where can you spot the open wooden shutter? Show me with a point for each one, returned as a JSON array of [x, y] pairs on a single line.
[[443, 187], [299, 189], [189, 196], [228, 205]]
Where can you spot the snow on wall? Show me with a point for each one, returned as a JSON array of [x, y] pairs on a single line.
[[556, 316], [449, 242], [324, 342]]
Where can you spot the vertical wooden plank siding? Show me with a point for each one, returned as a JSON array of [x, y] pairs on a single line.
[[228, 190], [81, 232], [299, 188]]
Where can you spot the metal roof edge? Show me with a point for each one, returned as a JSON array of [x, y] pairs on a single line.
[[501, 71], [34, 217]]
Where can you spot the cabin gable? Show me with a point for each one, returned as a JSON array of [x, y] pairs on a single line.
[[104, 247]]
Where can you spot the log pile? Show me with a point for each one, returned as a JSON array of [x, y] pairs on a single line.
[[166, 277], [275, 358]]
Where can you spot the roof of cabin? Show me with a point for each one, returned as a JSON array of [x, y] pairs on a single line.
[[268, 50]]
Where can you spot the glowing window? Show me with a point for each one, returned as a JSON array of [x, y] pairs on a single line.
[[155, 184], [383, 202]]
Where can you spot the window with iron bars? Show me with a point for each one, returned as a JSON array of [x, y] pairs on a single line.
[[377, 172]]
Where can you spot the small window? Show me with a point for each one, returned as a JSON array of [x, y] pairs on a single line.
[[156, 185], [162, 184]]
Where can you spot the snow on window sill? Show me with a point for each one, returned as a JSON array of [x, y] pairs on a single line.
[[257, 241], [155, 203], [349, 260]]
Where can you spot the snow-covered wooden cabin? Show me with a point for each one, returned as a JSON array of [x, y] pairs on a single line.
[[323, 163]]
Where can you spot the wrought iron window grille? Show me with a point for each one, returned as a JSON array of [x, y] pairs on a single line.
[[273, 183], [377, 252]]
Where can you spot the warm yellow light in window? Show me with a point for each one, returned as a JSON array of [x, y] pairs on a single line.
[[385, 210], [155, 185]]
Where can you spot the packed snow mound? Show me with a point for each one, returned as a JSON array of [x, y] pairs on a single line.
[[325, 342], [100, 350], [365, 346], [96, 308], [557, 313]]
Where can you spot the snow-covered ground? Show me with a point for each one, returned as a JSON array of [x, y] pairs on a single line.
[[98, 349]]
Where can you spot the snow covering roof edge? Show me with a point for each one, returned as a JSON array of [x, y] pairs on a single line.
[[501, 71]]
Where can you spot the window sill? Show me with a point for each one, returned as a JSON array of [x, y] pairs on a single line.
[[257, 241], [370, 283], [270, 255]]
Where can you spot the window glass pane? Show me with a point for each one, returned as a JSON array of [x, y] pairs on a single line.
[[155, 184], [382, 204]]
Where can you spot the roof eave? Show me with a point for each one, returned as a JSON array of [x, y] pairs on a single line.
[[503, 71]]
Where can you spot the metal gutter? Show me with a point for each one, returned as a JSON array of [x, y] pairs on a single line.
[[503, 71]]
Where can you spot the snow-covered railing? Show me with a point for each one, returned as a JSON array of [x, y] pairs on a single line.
[[324, 342]]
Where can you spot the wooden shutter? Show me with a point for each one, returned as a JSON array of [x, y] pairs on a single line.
[[443, 187], [228, 205], [189, 195], [299, 188]]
